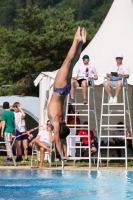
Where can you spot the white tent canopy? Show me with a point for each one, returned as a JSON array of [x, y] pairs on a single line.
[[29, 104], [114, 36]]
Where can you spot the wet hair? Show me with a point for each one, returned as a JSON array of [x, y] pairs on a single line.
[[120, 123], [85, 123]]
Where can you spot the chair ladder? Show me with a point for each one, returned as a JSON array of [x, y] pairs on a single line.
[[81, 110], [110, 127]]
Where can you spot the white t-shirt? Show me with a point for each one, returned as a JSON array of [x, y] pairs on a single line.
[[18, 120], [120, 70], [44, 136], [82, 71], [117, 133], [23, 127]]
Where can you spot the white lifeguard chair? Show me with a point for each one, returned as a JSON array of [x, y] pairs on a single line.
[[116, 111], [81, 110]]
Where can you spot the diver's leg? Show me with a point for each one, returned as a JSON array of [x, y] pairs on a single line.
[[65, 72]]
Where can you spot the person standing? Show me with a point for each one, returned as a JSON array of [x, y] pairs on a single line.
[[8, 131], [23, 141], [19, 119]]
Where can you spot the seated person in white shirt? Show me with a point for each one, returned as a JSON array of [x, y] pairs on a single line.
[[122, 71], [85, 71], [43, 141]]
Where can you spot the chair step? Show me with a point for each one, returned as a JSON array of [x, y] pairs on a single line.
[[112, 136], [111, 125], [112, 158], [113, 104], [78, 104], [77, 114], [112, 147], [112, 114]]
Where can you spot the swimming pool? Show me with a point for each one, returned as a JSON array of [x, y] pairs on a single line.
[[59, 184]]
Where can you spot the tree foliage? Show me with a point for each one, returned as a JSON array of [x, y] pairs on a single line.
[[40, 43], [95, 10], [39, 38]]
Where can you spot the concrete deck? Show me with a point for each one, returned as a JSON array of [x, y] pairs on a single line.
[[65, 168]]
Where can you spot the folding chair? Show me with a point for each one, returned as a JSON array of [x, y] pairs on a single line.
[[10, 149], [47, 156]]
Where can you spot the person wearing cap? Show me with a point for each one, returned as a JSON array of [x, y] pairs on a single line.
[[122, 72], [85, 71], [8, 131]]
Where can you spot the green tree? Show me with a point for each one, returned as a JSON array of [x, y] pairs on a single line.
[[94, 10], [39, 44]]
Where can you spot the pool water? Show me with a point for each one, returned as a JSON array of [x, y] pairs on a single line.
[[59, 184]]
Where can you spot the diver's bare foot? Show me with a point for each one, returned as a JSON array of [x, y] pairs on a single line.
[[83, 33], [78, 35]]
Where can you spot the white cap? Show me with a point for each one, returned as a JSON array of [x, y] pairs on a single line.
[[119, 55]]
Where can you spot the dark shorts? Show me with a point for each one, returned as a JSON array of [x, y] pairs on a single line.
[[23, 137], [94, 145], [63, 141], [17, 134], [80, 82], [63, 91]]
